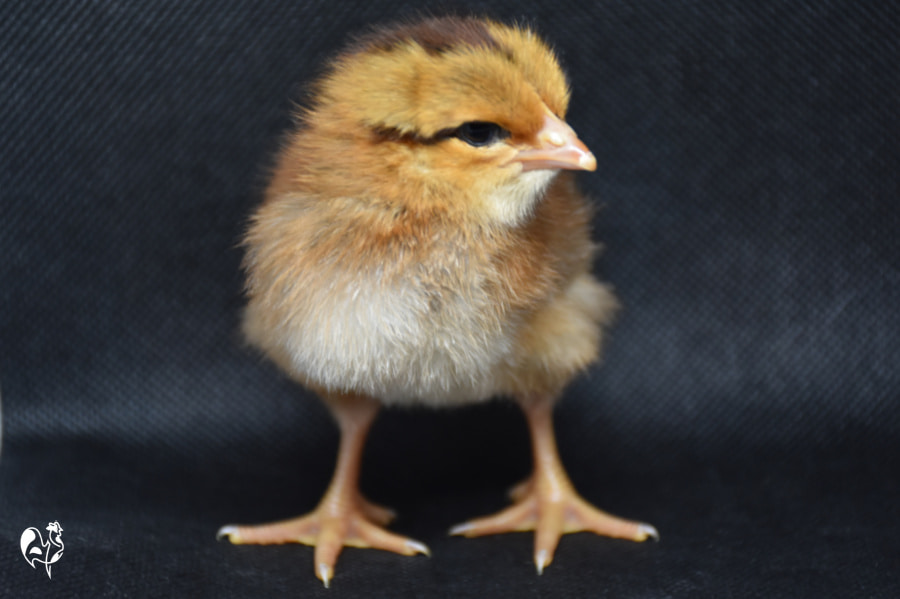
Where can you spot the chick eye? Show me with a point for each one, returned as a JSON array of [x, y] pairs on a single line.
[[480, 133]]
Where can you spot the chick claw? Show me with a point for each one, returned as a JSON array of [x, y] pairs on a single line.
[[329, 528], [552, 512]]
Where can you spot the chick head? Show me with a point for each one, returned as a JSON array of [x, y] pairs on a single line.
[[454, 114]]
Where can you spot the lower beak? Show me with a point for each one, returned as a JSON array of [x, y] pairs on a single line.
[[557, 148]]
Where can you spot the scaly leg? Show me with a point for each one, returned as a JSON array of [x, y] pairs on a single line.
[[546, 502], [343, 516]]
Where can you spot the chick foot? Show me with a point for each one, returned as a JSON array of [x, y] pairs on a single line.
[[336, 523], [551, 509], [547, 502], [343, 517]]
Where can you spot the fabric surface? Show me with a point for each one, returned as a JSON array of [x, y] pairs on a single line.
[[747, 406]]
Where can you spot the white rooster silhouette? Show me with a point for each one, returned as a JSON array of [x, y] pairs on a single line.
[[36, 551]]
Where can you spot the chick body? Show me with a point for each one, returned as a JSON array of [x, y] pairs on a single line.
[[419, 308]]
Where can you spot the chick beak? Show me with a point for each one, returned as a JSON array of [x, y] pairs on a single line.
[[556, 147]]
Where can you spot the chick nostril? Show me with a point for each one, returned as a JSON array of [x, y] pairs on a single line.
[[555, 138]]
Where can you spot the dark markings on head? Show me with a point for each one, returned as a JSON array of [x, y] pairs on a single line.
[[381, 134], [435, 36]]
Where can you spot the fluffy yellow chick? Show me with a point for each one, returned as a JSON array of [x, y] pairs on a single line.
[[417, 245]]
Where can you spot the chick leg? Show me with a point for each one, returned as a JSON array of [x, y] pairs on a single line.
[[343, 517], [547, 502]]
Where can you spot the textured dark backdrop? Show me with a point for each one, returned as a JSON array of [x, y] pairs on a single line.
[[748, 406]]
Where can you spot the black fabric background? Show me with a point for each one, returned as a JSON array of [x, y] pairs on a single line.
[[748, 404]]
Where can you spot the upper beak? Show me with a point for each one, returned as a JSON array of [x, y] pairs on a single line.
[[557, 148]]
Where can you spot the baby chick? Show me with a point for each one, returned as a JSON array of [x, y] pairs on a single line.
[[417, 245]]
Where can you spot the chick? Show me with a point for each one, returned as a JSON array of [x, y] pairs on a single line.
[[418, 245]]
